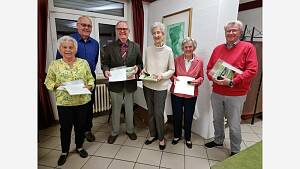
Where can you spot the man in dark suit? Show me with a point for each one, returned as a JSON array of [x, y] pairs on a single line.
[[122, 52]]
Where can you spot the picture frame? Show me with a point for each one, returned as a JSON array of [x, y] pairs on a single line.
[[178, 26]]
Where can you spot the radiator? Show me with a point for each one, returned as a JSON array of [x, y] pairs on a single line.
[[102, 99]]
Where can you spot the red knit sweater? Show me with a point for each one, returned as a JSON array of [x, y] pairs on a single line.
[[241, 56]]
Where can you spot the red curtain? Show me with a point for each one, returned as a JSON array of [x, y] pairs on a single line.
[[45, 112], [138, 22]]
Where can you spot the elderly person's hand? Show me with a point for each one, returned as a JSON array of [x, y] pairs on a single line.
[[107, 74], [89, 87], [158, 77], [224, 82]]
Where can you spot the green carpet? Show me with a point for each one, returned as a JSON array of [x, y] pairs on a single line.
[[250, 158]]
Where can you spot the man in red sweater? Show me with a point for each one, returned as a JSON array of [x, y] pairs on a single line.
[[228, 95]]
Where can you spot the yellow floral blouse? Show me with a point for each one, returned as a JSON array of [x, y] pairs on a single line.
[[60, 72]]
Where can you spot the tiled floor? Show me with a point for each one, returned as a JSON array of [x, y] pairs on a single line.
[[128, 154]]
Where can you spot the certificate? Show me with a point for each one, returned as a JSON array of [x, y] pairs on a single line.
[[122, 73], [75, 87], [182, 86]]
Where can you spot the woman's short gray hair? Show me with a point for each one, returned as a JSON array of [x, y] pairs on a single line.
[[159, 25], [187, 40], [66, 38], [237, 22]]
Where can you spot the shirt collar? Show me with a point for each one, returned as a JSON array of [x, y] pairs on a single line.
[[189, 60], [229, 46], [120, 43]]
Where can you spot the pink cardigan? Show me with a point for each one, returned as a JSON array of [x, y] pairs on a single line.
[[195, 71]]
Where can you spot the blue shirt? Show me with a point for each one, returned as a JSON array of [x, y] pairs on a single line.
[[88, 50]]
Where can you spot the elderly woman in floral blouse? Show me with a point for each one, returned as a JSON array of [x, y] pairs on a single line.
[[72, 109]]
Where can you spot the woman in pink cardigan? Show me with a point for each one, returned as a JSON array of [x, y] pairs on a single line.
[[190, 66]]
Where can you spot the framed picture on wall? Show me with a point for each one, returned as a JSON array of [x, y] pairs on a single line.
[[178, 26]]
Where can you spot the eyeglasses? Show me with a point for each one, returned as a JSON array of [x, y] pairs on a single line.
[[232, 30], [122, 29], [86, 25]]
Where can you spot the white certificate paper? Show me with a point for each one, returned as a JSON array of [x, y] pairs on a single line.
[[117, 74], [182, 86], [75, 87]]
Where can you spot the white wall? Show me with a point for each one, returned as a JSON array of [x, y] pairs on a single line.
[[208, 19], [252, 17]]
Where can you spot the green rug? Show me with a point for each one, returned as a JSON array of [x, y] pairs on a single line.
[[250, 158]]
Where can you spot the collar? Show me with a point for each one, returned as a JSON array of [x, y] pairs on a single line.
[[229, 46], [187, 59], [120, 43]]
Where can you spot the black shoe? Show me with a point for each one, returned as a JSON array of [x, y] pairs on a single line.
[[189, 144], [132, 136], [62, 159], [212, 144], [232, 153], [162, 147], [82, 153], [90, 137], [111, 139], [175, 140], [150, 141]]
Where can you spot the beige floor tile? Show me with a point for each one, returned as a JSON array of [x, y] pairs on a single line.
[[43, 138], [50, 159], [249, 143], [101, 136], [97, 163], [196, 151], [178, 148], [118, 164], [257, 123], [42, 152], [174, 161], [100, 119], [104, 127], [144, 166], [196, 139], [44, 167], [217, 154], [256, 129], [128, 153], [149, 157], [74, 161], [245, 128], [212, 162], [196, 163], [143, 132], [121, 139], [91, 147], [52, 143], [139, 142], [250, 137], [51, 131], [108, 150]]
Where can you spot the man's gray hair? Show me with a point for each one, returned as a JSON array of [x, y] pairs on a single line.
[[187, 40], [237, 22], [159, 25], [66, 38]]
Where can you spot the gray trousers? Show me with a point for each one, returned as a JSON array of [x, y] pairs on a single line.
[[155, 100], [231, 107], [116, 101]]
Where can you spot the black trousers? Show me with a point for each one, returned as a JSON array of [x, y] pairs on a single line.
[[183, 107], [90, 111], [69, 116]]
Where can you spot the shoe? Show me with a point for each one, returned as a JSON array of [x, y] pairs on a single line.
[[62, 159], [162, 147], [147, 142], [189, 144], [111, 139], [232, 153], [90, 137], [82, 153], [175, 140], [212, 144], [132, 136]]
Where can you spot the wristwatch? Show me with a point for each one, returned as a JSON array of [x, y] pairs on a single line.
[[230, 83]]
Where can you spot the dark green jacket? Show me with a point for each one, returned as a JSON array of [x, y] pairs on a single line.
[[112, 58]]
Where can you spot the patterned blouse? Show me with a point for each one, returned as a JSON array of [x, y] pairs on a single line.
[[60, 72]]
